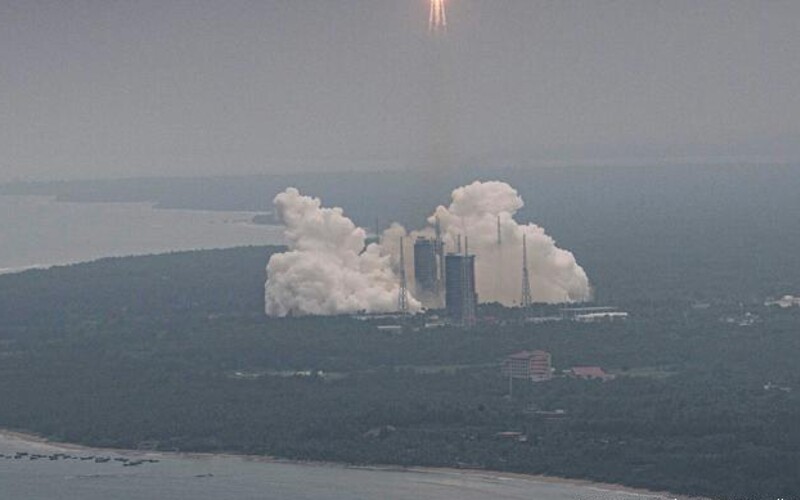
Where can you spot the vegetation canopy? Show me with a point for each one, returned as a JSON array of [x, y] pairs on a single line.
[[174, 352]]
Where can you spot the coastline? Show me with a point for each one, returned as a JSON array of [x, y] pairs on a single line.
[[22, 269], [26, 438], [44, 232]]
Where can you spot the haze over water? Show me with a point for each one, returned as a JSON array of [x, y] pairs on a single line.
[[39, 231], [205, 477]]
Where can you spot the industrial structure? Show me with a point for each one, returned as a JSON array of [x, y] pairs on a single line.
[[461, 298], [535, 366], [426, 267], [449, 280], [526, 299], [593, 314]]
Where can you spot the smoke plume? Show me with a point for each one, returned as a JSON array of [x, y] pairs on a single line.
[[327, 270], [474, 213]]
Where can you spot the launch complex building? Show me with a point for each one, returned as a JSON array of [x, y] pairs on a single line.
[[452, 274]]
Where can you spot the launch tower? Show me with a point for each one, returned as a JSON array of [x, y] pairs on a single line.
[[426, 267], [461, 299]]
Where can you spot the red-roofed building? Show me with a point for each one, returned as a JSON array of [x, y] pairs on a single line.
[[589, 373], [532, 365]]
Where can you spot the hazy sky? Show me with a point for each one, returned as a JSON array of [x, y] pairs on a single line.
[[110, 88]]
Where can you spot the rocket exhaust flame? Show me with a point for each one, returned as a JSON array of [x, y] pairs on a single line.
[[437, 21]]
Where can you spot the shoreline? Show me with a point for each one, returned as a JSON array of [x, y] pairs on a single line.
[[33, 439], [121, 229]]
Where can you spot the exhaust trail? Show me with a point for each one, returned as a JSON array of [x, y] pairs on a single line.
[[437, 21]]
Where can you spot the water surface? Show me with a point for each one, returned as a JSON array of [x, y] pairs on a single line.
[[177, 477], [40, 231]]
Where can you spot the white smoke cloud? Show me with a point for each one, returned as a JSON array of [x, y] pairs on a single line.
[[327, 269], [473, 213]]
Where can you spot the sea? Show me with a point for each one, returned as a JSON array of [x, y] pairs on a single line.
[[32, 470], [37, 231]]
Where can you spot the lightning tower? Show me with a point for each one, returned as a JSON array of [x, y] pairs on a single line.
[[440, 256], [526, 280], [402, 299], [468, 297], [498, 274]]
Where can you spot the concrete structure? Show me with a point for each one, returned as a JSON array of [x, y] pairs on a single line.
[[532, 365], [513, 436], [461, 299], [391, 328], [426, 267], [592, 314], [571, 312], [601, 316]]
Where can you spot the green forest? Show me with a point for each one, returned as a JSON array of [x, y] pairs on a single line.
[[173, 352]]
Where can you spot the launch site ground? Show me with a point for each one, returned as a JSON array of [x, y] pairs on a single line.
[[174, 352]]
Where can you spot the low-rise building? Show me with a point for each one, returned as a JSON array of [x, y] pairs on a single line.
[[601, 316], [390, 328], [513, 436], [593, 314], [589, 373], [784, 302], [532, 365]]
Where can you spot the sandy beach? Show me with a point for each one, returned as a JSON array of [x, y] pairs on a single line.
[[27, 441]]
